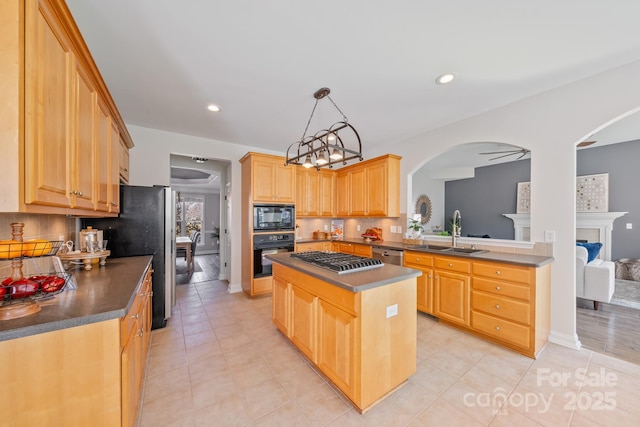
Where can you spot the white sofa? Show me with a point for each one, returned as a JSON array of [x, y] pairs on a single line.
[[595, 280]]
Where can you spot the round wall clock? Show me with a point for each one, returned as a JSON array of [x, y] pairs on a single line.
[[423, 207]]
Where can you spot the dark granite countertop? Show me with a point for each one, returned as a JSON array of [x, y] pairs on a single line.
[[507, 258], [103, 293], [357, 281]]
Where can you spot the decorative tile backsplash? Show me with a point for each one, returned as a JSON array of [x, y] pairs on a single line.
[[39, 226]]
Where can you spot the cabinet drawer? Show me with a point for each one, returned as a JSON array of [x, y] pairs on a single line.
[[452, 264], [497, 287], [362, 250], [503, 307], [502, 329], [500, 271], [345, 248], [418, 258]]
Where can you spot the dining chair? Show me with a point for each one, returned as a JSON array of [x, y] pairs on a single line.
[[194, 243]]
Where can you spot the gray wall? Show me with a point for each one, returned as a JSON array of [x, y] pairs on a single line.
[[482, 200], [621, 162]]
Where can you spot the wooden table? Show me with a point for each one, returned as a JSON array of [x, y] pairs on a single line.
[[184, 242]]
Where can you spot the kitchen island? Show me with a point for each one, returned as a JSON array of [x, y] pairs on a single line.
[[79, 360], [358, 328]]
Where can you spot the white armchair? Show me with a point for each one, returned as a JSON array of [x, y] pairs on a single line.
[[595, 280]]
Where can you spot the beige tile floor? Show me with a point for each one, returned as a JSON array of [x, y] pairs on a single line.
[[221, 362]]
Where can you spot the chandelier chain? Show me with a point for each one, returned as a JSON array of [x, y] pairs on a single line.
[[337, 108], [309, 121]]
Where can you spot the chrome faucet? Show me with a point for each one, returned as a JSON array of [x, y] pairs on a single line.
[[456, 227]]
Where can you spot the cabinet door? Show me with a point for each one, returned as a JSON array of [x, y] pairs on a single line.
[[343, 194], [452, 297], [102, 149], [129, 365], [301, 193], [284, 183], [263, 181], [114, 170], [336, 338], [313, 192], [425, 291], [48, 68], [82, 154], [280, 303], [359, 191], [124, 162], [376, 189], [303, 321], [327, 191]]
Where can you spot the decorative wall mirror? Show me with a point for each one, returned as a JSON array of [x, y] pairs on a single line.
[[423, 207]]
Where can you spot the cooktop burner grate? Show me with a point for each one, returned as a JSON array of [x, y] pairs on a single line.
[[338, 262]]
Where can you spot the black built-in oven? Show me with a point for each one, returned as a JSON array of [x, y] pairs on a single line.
[[268, 244], [273, 217]]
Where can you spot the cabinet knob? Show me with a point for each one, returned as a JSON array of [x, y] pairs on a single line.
[[498, 306], [497, 288], [498, 272], [136, 316], [450, 265], [497, 328], [141, 332]]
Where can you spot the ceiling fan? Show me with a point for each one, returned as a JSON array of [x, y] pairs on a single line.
[[521, 152]]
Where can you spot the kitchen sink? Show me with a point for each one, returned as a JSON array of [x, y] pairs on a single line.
[[430, 247], [467, 251]]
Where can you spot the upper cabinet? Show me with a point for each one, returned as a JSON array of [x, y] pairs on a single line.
[[62, 127], [271, 180], [370, 188], [315, 191]]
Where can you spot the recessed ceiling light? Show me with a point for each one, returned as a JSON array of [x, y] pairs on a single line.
[[213, 107], [443, 79]]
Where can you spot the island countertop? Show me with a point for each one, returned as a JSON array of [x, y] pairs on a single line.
[[357, 281], [103, 293]]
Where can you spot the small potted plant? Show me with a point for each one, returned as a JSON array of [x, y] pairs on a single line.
[[415, 227]]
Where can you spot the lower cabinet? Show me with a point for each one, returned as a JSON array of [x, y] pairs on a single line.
[[134, 340], [347, 335], [313, 246], [452, 283], [87, 375], [423, 262], [352, 248]]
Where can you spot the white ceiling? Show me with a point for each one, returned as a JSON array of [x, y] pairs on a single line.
[[261, 61]]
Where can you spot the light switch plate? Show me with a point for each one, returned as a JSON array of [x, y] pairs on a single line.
[[629, 226], [549, 236]]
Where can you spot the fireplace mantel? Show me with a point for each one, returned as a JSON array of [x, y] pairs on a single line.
[[599, 226]]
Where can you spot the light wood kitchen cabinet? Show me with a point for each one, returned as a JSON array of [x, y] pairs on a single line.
[[313, 246], [52, 88], [134, 340], [346, 335], [114, 169], [89, 374], [271, 180], [369, 188], [307, 192], [510, 305], [352, 248], [124, 162], [452, 283], [315, 191], [423, 262], [327, 193], [102, 168]]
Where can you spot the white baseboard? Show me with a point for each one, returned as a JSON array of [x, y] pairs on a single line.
[[570, 341], [234, 288]]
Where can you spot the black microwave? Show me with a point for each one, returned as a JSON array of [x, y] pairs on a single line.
[[273, 217]]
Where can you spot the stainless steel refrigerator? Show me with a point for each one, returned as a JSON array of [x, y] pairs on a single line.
[[145, 226]]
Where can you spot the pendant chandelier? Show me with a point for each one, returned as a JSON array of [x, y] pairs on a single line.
[[338, 143]]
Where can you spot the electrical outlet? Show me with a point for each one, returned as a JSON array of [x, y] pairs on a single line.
[[358, 227], [326, 227], [399, 229], [392, 229], [392, 310], [61, 238], [629, 226]]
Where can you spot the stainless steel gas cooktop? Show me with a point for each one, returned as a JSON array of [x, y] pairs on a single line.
[[338, 262]]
